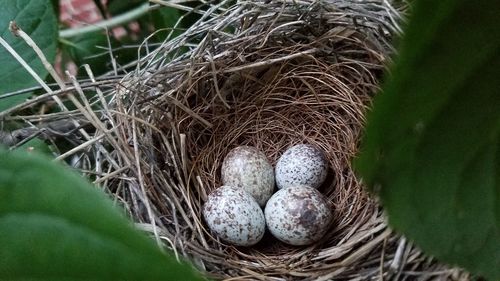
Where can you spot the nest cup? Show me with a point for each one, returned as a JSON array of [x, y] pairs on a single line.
[[272, 76], [269, 74]]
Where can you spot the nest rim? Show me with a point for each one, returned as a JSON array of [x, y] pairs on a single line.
[[234, 92]]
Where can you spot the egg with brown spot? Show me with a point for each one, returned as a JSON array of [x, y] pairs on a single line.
[[248, 168], [302, 164], [298, 215], [233, 215]]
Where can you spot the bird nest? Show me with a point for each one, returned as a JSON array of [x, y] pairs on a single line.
[[270, 74]]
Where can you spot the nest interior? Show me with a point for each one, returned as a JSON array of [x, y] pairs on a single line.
[[270, 74], [318, 99]]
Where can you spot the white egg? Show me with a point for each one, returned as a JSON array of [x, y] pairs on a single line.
[[298, 215], [234, 216], [248, 168], [301, 164]]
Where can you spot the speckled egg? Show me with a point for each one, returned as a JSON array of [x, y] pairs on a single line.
[[301, 164], [248, 168], [298, 215], [234, 216]]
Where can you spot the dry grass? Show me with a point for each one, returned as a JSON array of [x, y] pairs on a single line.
[[266, 74]]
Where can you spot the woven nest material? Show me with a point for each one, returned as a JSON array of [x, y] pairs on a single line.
[[269, 74]]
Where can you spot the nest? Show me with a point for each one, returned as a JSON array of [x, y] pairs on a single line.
[[270, 74]]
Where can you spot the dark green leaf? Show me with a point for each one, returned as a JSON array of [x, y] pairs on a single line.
[[116, 7], [54, 226], [55, 6], [36, 145], [92, 49], [89, 49], [37, 19], [432, 144], [164, 19]]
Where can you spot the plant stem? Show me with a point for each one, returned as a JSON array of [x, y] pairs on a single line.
[[106, 24], [17, 31]]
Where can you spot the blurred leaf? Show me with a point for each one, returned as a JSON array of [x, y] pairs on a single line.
[[89, 49], [92, 49], [36, 146], [192, 18], [118, 7], [37, 19], [432, 144], [55, 226], [55, 6], [164, 18]]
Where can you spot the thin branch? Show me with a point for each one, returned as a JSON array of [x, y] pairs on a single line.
[[51, 130], [18, 32]]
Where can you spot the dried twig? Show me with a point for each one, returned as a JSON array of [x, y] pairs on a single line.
[[49, 131]]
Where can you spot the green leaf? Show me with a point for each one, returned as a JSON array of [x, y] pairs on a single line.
[[116, 7], [92, 49], [432, 144], [89, 49], [165, 18], [36, 145], [55, 226], [55, 6], [38, 20]]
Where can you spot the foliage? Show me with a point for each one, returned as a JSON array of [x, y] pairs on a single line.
[[93, 48], [40, 21], [432, 143], [55, 226], [37, 19], [36, 146]]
